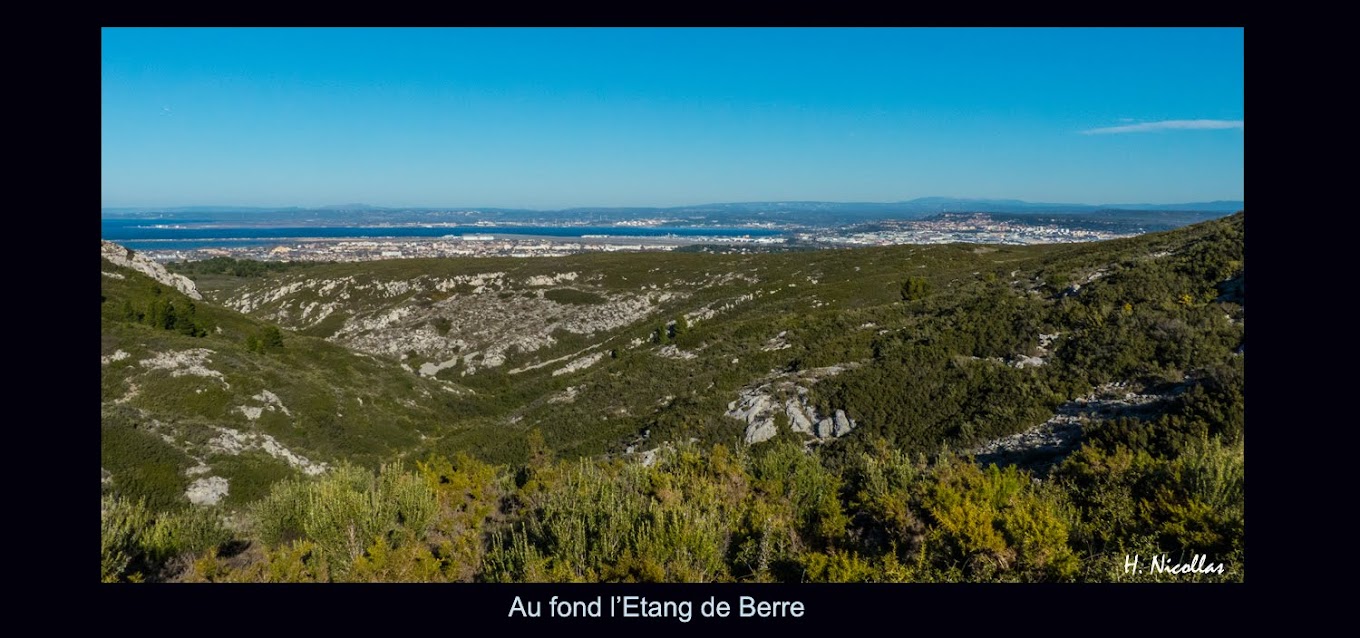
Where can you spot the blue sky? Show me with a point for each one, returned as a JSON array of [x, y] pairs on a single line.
[[554, 118]]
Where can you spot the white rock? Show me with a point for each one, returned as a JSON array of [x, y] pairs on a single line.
[[208, 490], [235, 442], [798, 417], [843, 424], [121, 256], [185, 362], [672, 352], [579, 364], [430, 369], [762, 431]]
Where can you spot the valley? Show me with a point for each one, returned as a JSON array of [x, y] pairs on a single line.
[[219, 389]]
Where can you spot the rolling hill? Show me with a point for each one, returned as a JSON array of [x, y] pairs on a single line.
[[1037, 358]]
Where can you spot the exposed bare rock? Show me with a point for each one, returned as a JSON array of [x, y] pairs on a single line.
[[132, 392], [431, 369], [551, 280], [1044, 445], [118, 355], [566, 396], [718, 307], [208, 490], [787, 392], [672, 352], [361, 325], [777, 342], [270, 403], [649, 457], [1033, 361], [185, 362], [762, 430], [477, 321], [234, 442], [120, 256], [250, 300], [541, 364], [843, 424], [579, 364], [800, 415]]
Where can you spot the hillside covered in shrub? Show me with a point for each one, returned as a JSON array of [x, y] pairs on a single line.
[[904, 413]]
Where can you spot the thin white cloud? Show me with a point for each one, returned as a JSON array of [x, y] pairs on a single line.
[[1166, 125]]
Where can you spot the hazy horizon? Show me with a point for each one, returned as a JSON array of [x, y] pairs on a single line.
[[266, 207]]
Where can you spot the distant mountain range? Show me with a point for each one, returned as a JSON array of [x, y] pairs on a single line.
[[920, 206]]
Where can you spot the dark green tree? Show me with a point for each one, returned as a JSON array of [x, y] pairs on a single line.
[[680, 327], [915, 288], [265, 339], [130, 313], [270, 337]]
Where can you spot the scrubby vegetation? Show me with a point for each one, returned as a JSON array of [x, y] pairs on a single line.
[[573, 296], [232, 267], [138, 543], [527, 475], [724, 514], [153, 306]]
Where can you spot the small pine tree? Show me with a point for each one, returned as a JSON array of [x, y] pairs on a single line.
[[168, 319], [271, 337], [915, 288], [130, 313], [184, 322], [681, 327], [539, 452], [155, 315]]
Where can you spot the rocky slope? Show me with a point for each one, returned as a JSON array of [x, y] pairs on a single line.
[[126, 258], [606, 353], [207, 419], [786, 394]]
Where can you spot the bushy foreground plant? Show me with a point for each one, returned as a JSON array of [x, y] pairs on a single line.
[[138, 545]]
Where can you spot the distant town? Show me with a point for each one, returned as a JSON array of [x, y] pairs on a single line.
[[967, 228], [939, 229], [362, 233]]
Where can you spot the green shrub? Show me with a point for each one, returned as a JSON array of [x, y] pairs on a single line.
[[612, 522], [346, 510], [995, 524], [915, 288], [137, 544], [121, 525]]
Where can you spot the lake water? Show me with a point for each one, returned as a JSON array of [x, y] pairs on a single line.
[[183, 235]]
